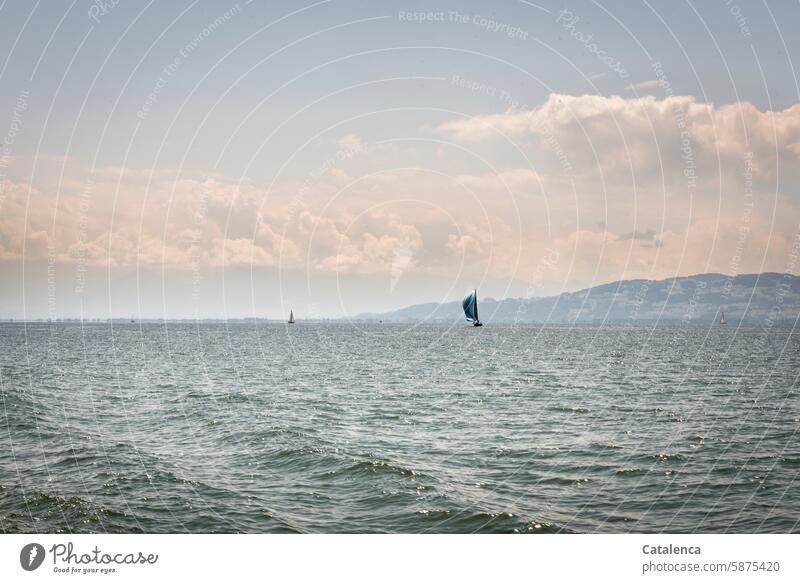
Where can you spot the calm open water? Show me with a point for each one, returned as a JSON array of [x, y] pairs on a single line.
[[395, 428]]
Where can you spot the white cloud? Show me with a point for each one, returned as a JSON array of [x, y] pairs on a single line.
[[645, 133], [350, 142], [623, 209], [650, 84]]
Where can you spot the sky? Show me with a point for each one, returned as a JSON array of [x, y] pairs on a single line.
[[239, 159]]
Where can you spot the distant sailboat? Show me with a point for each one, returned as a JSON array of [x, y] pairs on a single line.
[[470, 305], [291, 317], [722, 319]]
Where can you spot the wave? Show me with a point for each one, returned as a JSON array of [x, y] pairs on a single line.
[[482, 522], [666, 457], [628, 472], [568, 409], [374, 467], [44, 512]]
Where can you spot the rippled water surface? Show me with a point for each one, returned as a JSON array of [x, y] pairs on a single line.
[[394, 428]]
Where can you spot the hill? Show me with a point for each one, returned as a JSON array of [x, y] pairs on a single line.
[[752, 298]]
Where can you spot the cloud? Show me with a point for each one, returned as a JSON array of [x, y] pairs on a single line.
[[51, 158], [350, 142], [650, 84], [615, 136], [648, 235], [121, 172], [463, 245], [620, 208], [209, 223]]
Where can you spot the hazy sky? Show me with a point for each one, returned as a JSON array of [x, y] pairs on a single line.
[[187, 159]]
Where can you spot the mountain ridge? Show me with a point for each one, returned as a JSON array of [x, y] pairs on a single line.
[[750, 298]]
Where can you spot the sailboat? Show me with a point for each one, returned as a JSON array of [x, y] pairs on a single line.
[[470, 305], [291, 317], [722, 319]]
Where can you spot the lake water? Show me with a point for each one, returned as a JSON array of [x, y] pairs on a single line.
[[398, 428]]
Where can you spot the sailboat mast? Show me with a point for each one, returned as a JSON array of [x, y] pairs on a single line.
[[475, 292]]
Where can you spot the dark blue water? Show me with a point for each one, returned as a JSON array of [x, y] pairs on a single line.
[[393, 428]]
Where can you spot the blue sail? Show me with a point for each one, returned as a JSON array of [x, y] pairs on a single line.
[[468, 303]]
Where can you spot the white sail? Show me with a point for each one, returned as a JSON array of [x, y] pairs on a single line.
[[291, 317]]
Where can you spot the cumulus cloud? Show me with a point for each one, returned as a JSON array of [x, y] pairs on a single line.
[[350, 142], [210, 223], [650, 84], [648, 235], [645, 134], [602, 183]]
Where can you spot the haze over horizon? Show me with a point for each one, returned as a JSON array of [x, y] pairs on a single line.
[[199, 159]]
